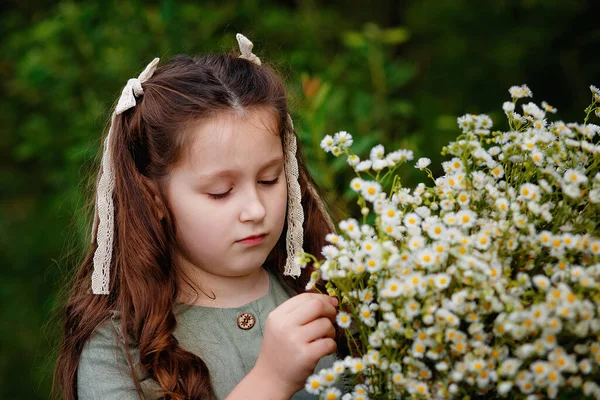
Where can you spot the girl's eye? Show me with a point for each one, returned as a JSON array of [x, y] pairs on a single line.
[[274, 181], [220, 195]]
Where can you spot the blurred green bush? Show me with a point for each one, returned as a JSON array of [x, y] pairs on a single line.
[[397, 73]]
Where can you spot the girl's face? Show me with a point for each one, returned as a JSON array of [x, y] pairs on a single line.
[[229, 185]]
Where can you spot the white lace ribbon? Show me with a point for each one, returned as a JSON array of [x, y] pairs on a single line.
[[295, 213], [104, 196]]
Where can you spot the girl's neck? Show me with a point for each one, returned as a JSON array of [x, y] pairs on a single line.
[[218, 291]]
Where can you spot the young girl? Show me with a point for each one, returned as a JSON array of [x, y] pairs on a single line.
[[190, 290]]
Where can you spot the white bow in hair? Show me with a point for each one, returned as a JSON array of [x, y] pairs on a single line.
[[134, 88], [246, 49]]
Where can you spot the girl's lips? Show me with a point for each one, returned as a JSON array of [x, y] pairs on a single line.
[[253, 240]]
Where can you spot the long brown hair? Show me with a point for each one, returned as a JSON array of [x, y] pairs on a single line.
[[148, 139]]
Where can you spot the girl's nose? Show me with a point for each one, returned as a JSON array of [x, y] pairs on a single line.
[[253, 208]]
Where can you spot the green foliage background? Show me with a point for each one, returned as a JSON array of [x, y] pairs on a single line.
[[392, 72]]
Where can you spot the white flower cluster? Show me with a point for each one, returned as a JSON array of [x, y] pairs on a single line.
[[486, 282], [339, 144]]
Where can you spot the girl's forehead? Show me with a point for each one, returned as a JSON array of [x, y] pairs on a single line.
[[230, 140]]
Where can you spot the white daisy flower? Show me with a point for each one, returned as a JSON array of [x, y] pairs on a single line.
[[537, 157], [412, 220], [465, 122], [426, 257], [351, 228], [423, 163], [450, 218], [442, 281], [327, 143], [482, 241], [541, 282], [314, 384], [364, 165], [338, 367], [371, 190], [353, 160], [435, 230], [518, 92], [332, 393], [463, 199], [357, 184], [539, 369], [531, 109], [483, 121], [497, 171], [405, 155], [366, 315], [508, 106], [416, 242], [378, 165], [390, 214], [328, 376], [548, 108], [529, 191], [330, 252], [575, 177], [418, 349], [343, 139], [392, 288], [510, 367], [343, 319], [369, 246], [356, 365], [572, 191], [373, 264], [502, 205], [377, 152], [466, 218]]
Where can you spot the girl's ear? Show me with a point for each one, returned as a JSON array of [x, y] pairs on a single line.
[[159, 204]]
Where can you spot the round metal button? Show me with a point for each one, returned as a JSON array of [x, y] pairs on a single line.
[[245, 321]]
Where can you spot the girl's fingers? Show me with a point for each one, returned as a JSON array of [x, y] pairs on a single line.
[[312, 309], [300, 301], [318, 329], [322, 347]]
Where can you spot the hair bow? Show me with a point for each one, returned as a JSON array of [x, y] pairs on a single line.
[[246, 49], [134, 88]]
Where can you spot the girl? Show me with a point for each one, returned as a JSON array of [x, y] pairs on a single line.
[[200, 205]]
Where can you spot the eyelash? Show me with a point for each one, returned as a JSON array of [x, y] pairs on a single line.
[[223, 195]]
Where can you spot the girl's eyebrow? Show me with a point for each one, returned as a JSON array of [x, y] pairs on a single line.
[[232, 172]]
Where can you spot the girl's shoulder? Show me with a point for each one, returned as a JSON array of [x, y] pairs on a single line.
[[104, 370]]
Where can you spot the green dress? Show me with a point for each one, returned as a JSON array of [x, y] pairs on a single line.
[[211, 333]]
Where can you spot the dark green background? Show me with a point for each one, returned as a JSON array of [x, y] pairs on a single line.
[[390, 72]]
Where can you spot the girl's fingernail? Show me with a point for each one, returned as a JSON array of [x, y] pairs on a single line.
[[335, 301]]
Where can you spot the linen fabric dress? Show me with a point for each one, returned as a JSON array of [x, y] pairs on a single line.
[[211, 333]]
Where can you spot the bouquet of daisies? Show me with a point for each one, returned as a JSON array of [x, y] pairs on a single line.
[[485, 282]]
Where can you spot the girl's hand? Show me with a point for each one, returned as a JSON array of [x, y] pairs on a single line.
[[297, 335]]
